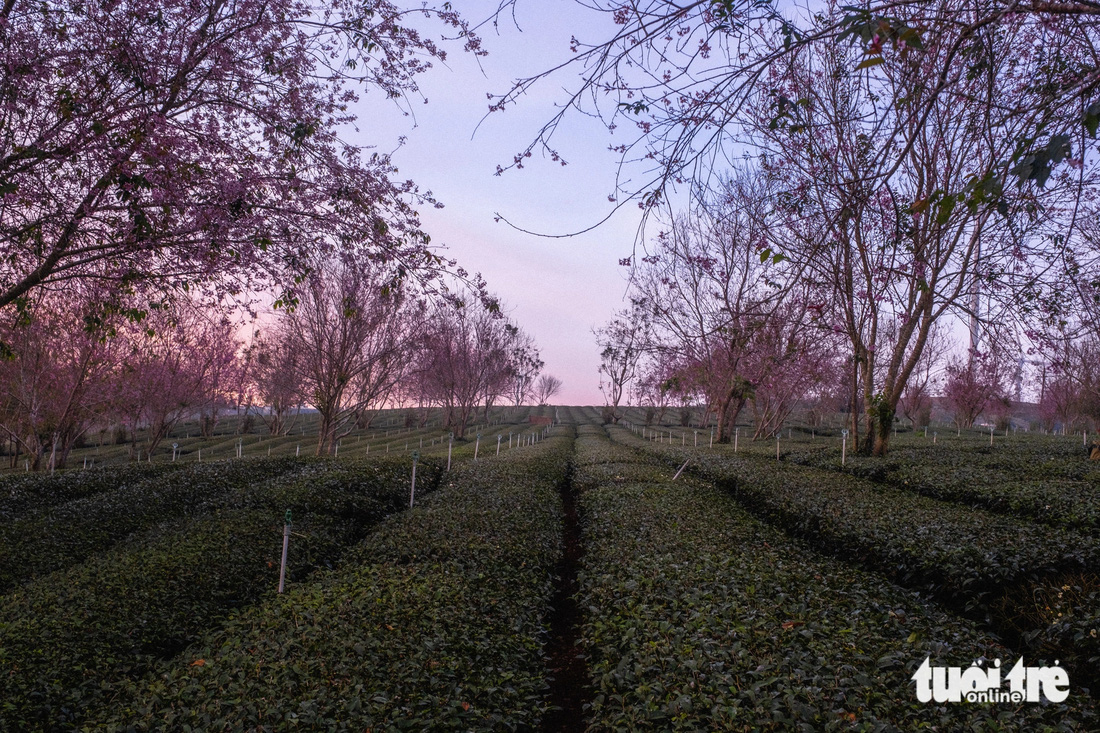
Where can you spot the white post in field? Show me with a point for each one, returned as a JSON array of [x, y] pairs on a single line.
[[286, 544]]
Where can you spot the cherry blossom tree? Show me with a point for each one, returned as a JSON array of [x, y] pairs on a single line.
[[793, 363], [714, 293], [1070, 384], [61, 351], [901, 252], [1087, 377], [351, 335], [623, 341], [1058, 400], [973, 383], [196, 144], [223, 382], [464, 355], [166, 369], [525, 366], [276, 380], [655, 387], [546, 387]]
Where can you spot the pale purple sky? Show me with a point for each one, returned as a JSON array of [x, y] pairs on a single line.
[[556, 289]]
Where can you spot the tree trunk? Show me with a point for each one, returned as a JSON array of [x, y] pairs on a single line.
[[721, 415], [705, 419], [882, 440], [727, 414], [881, 410], [325, 432]]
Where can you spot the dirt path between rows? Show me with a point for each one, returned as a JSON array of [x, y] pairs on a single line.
[[569, 684]]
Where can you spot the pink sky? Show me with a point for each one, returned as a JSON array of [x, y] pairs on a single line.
[[556, 289]]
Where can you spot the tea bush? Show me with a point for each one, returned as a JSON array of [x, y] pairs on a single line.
[[435, 622], [24, 493], [1026, 488], [702, 618], [965, 557], [68, 636], [57, 537]]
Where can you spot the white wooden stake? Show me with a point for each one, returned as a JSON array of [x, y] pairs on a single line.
[[450, 445], [477, 444], [412, 491], [498, 443], [736, 434], [286, 544], [681, 470], [297, 451]]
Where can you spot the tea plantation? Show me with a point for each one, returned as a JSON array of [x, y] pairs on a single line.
[[584, 577]]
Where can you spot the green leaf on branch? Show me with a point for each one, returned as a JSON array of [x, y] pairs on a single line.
[[634, 107], [869, 62], [1039, 163], [944, 208], [1091, 119]]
